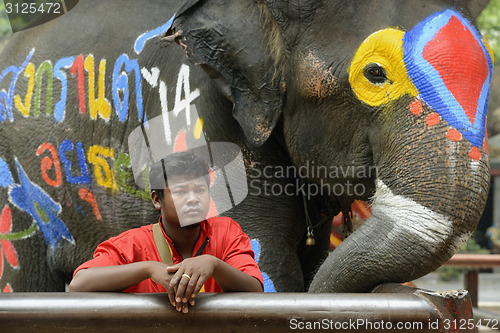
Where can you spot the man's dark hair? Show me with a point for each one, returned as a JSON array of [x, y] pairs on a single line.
[[177, 164]]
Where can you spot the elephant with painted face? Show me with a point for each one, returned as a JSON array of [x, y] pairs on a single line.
[[329, 101]]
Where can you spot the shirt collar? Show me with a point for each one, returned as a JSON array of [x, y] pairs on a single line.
[[205, 228], [205, 233]]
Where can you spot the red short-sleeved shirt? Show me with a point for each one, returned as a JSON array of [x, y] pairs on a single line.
[[221, 237]]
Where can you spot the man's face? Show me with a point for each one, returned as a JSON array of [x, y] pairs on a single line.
[[186, 201]]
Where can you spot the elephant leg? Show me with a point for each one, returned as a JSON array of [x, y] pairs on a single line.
[[280, 266], [276, 224]]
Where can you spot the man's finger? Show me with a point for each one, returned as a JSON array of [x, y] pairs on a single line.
[[172, 269], [181, 286], [171, 294], [174, 282], [199, 284], [190, 287]]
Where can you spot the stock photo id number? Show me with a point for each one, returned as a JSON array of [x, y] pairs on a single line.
[[26, 14]]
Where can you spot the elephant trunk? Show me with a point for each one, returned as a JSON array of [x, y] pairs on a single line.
[[401, 241]]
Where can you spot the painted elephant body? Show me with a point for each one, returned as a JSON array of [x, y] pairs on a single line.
[[327, 101]]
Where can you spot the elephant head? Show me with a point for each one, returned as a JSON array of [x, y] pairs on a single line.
[[391, 93]]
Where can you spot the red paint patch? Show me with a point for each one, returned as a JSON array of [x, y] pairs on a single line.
[[78, 68], [212, 211], [89, 197], [475, 154], [211, 174], [6, 247], [180, 142], [433, 119], [416, 107], [5, 220], [454, 135], [46, 164], [452, 47]]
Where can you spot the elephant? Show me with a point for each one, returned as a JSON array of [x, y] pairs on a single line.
[[328, 101]]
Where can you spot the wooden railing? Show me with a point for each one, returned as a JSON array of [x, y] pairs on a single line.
[[472, 263]]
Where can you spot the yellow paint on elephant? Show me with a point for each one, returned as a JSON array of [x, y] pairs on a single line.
[[385, 49], [198, 127], [490, 51], [41, 213], [29, 72], [100, 105], [102, 171]]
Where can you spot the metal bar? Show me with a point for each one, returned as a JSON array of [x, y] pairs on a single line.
[[474, 260], [242, 312], [454, 305]]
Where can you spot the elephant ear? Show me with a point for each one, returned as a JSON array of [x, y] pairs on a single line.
[[228, 39]]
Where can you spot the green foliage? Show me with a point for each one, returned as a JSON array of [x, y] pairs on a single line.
[[447, 273], [489, 25], [473, 247]]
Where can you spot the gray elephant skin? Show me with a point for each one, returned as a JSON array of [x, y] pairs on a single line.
[[329, 101]]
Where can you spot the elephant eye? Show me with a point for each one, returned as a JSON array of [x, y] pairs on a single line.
[[375, 73]]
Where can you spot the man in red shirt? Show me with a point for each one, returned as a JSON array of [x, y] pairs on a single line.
[[210, 255]]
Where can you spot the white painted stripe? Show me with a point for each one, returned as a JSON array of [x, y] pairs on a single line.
[[431, 227]]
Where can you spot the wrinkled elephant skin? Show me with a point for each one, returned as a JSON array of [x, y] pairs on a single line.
[[329, 101]]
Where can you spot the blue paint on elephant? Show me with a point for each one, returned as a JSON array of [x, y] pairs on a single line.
[[431, 83], [32, 199], [60, 108], [142, 39], [80, 209], [84, 178], [8, 97], [268, 283], [5, 175], [120, 84]]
